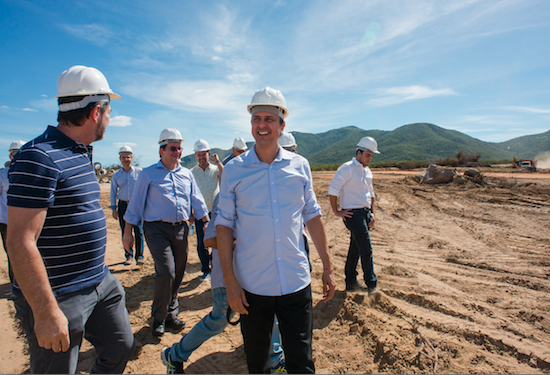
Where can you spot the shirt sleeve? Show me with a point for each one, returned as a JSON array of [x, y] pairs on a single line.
[[33, 179], [136, 206], [227, 213], [340, 178], [114, 188], [197, 200], [311, 207]]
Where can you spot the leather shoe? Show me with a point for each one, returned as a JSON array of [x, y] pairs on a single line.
[[158, 328], [175, 324]]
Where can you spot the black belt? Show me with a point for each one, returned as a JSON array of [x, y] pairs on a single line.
[[360, 209], [176, 224]]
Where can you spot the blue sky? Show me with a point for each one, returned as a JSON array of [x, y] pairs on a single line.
[[479, 67]]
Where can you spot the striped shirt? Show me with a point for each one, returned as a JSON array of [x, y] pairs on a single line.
[[54, 172]]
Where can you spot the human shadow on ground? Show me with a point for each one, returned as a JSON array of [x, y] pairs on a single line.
[[326, 312], [220, 363]]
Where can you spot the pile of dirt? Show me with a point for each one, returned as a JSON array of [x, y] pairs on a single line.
[[463, 271]]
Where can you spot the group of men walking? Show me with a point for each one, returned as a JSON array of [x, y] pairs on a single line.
[[259, 201]]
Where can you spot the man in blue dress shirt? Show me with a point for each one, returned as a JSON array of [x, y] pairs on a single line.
[[163, 196], [266, 196], [122, 187]]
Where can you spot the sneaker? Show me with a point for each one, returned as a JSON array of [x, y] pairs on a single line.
[[172, 367], [175, 324], [205, 277], [139, 261], [128, 261], [280, 368], [373, 290]]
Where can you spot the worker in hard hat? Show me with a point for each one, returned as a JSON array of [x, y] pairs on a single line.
[[208, 176], [288, 142], [239, 147], [353, 183], [266, 196], [122, 187], [165, 196], [57, 235], [4, 185]]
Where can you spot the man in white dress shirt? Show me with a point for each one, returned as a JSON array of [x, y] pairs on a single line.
[[353, 183]]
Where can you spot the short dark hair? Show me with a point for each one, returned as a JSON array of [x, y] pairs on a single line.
[[77, 117]]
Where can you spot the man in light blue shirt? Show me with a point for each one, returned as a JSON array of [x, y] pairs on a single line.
[[122, 187], [4, 186], [163, 196], [266, 196]]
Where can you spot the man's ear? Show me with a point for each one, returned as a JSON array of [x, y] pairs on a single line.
[[95, 113]]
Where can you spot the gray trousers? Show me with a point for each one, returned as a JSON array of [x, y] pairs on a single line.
[[168, 245], [96, 313]]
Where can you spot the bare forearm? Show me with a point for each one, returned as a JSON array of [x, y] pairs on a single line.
[[224, 241], [316, 229], [333, 203]]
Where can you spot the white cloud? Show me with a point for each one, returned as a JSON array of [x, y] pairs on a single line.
[[121, 121], [97, 34], [527, 109], [396, 95], [29, 110], [5, 107], [120, 144], [490, 120]]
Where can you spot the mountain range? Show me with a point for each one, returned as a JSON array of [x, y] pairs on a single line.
[[420, 141]]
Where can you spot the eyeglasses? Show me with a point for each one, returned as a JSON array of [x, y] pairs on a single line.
[[175, 148]]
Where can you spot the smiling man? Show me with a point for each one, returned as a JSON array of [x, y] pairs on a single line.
[[266, 196], [353, 183], [164, 195]]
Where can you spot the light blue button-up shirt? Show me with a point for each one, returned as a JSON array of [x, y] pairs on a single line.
[[122, 185], [164, 195], [4, 186], [267, 205]]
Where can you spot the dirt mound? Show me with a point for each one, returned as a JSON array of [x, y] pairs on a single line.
[[463, 272]]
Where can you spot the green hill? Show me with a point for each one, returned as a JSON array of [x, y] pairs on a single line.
[[421, 141]]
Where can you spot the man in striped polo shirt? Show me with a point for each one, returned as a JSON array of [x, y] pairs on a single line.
[[57, 236]]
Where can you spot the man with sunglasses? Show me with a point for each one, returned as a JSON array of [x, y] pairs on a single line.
[[164, 196]]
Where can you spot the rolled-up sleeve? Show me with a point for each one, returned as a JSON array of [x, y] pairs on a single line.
[[227, 213], [341, 177], [311, 207], [135, 209]]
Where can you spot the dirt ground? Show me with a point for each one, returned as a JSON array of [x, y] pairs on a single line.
[[464, 273]]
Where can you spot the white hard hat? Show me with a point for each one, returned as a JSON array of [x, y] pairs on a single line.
[[16, 145], [201, 145], [271, 98], [170, 135], [368, 144], [287, 140], [82, 80], [125, 150], [239, 144]]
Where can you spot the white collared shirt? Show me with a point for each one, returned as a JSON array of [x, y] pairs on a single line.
[[353, 183]]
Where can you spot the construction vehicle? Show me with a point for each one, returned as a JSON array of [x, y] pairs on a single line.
[[530, 165]]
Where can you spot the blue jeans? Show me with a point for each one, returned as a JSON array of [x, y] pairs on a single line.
[[202, 251], [96, 313], [213, 324], [360, 247], [277, 353], [138, 231]]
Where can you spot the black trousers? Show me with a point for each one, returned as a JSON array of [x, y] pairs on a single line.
[[294, 312]]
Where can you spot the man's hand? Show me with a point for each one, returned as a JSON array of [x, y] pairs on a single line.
[[214, 158], [236, 297], [115, 214], [128, 237], [329, 285], [343, 214], [52, 330], [372, 219]]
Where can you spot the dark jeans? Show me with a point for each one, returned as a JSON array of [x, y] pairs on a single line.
[[204, 255], [3, 233], [138, 232], [294, 312], [360, 247], [168, 245], [96, 313]]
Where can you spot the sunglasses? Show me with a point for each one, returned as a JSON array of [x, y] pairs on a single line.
[[175, 148]]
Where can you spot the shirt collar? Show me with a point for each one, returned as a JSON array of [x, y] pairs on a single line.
[[250, 157], [161, 166], [59, 136]]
